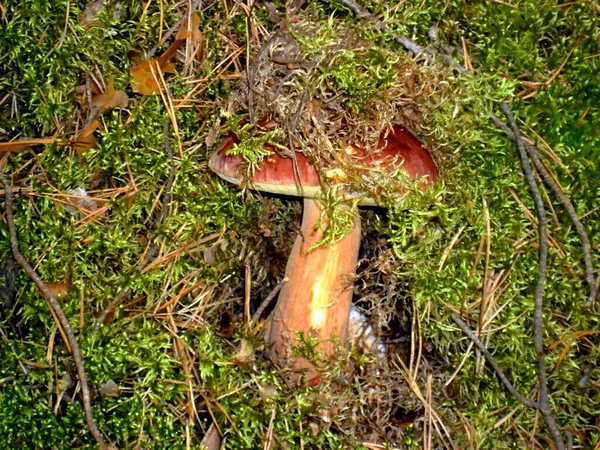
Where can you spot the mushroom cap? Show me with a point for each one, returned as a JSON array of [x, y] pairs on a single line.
[[399, 149]]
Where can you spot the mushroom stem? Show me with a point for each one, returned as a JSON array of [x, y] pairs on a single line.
[[318, 296]]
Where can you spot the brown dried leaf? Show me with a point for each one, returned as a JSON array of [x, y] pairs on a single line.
[[143, 81], [267, 392], [244, 353], [194, 32], [86, 139], [110, 389], [111, 98], [84, 143], [212, 439], [59, 290], [87, 131]]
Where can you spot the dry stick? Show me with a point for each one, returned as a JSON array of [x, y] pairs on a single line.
[[57, 309], [412, 46], [492, 362], [544, 403], [267, 301], [585, 240]]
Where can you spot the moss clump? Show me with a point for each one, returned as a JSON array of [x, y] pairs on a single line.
[[179, 325]]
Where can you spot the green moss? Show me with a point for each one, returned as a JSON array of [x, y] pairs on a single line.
[[360, 76], [438, 271]]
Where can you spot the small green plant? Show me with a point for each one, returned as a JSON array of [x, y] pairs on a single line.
[[361, 75], [253, 145]]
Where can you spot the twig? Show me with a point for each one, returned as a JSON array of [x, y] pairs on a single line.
[[267, 301], [585, 240], [544, 403], [492, 362], [58, 312]]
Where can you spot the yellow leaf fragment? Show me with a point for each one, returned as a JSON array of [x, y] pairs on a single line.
[[337, 175]]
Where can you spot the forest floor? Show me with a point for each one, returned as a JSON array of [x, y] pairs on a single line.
[[109, 112]]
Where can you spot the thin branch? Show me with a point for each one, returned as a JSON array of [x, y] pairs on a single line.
[[58, 311], [267, 301], [544, 402], [492, 362], [564, 200]]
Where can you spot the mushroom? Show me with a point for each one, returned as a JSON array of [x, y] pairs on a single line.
[[317, 298]]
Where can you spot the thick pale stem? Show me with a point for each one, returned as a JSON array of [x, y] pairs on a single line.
[[318, 296]]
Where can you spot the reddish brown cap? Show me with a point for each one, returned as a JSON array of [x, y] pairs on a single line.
[[276, 174], [400, 149]]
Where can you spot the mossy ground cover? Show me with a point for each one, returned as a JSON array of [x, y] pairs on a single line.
[[172, 344]]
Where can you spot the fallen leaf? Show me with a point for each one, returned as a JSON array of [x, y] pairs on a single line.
[[244, 353], [20, 145], [143, 80], [86, 139], [87, 131], [192, 32], [337, 175], [84, 143], [111, 98], [58, 290], [110, 389], [267, 391], [209, 255], [212, 439]]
